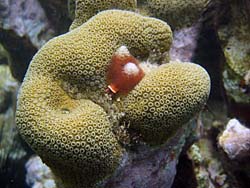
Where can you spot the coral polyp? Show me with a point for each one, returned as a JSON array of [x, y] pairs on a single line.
[[124, 72]]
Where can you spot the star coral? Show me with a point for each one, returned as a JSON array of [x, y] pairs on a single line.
[[85, 9], [55, 114], [166, 99], [177, 13]]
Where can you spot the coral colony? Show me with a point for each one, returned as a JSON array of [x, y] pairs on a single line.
[[114, 102], [59, 112]]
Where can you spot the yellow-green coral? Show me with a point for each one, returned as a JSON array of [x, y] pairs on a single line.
[[235, 40], [59, 112], [85, 9], [72, 8], [237, 54], [177, 13], [165, 99], [81, 63], [236, 37], [54, 114], [73, 137]]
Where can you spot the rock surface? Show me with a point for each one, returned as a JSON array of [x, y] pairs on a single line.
[[23, 26], [235, 140], [11, 149]]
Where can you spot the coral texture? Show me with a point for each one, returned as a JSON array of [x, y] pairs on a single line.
[[71, 133], [235, 41], [237, 54], [72, 8], [165, 99], [86, 9], [177, 13]]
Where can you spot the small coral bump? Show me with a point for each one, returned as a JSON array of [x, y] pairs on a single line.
[[124, 72]]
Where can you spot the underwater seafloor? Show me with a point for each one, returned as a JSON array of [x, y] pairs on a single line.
[[114, 101]]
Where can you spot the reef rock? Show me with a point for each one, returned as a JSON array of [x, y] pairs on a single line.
[[23, 26], [235, 140]]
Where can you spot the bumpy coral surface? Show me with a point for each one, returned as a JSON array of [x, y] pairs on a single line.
[[85, 9], [66, 133], [165, 99], [72, 8], [71, 133], [178, 13], [237, 53], [235, 40]]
